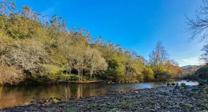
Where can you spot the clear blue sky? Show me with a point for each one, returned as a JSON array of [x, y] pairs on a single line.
[[133, 24]]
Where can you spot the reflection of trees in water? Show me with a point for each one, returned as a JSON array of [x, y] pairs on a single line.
[[15, 96], [10, 99], [89, 90], [10, 96]]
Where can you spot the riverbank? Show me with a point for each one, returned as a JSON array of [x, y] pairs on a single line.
[[162, 99]]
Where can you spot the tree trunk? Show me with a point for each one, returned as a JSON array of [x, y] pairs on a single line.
[[91, 72], [79, 73]]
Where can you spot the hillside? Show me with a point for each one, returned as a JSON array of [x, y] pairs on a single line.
[[33, 49], [189, 69]]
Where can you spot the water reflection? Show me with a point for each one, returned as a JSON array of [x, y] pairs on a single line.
[[127, 87], [190, 83], [10, 97]]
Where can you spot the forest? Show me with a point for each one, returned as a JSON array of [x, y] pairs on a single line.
[[48, 65], [38, 49]]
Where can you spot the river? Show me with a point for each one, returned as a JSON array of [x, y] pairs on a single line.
[[18, 96]]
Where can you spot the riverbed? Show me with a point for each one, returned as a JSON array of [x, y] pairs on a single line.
[[19, 96]]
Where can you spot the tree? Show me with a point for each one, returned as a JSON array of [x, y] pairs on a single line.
[[173, 69], [10, 75], [199, 25], [24, 54], [148, 74], [27, 12], [57, 25], [47, 50], [158, 55], [204, 56], [123, 66], [163, 67], [7, 7], [20, 27], [95, 61]]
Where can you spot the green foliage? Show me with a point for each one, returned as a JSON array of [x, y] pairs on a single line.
[[10, 75], [122, 65], [148, 74], [67, 77], [51, 70], [17, 26], [73, 77], [202, 73], [45, 51], [161, 73], [163, 67], [52, 73], [24, 54]]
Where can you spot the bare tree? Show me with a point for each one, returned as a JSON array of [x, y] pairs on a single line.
[[7, 7], [204, 56], [158, 55], [199, 25]]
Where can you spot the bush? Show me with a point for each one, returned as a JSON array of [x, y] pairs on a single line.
[[162, 75], [24, 54], [20, 27], [148, 74], [202, 73], [68, 77], [73, 77], [50, 72], [41, 49], [10, 75], [53, 73]]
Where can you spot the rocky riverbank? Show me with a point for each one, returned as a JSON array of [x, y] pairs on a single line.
[[163, 99]]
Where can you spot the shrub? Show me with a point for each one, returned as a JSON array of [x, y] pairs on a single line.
[[148, 74], [161, 74], [10, 75], [50, 72], [202, 73], [42, 48], [53, 73], [24, 54], [20, 27], [73, 77], [67, 77]]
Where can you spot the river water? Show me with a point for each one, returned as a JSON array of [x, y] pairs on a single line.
[[17, 96]]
